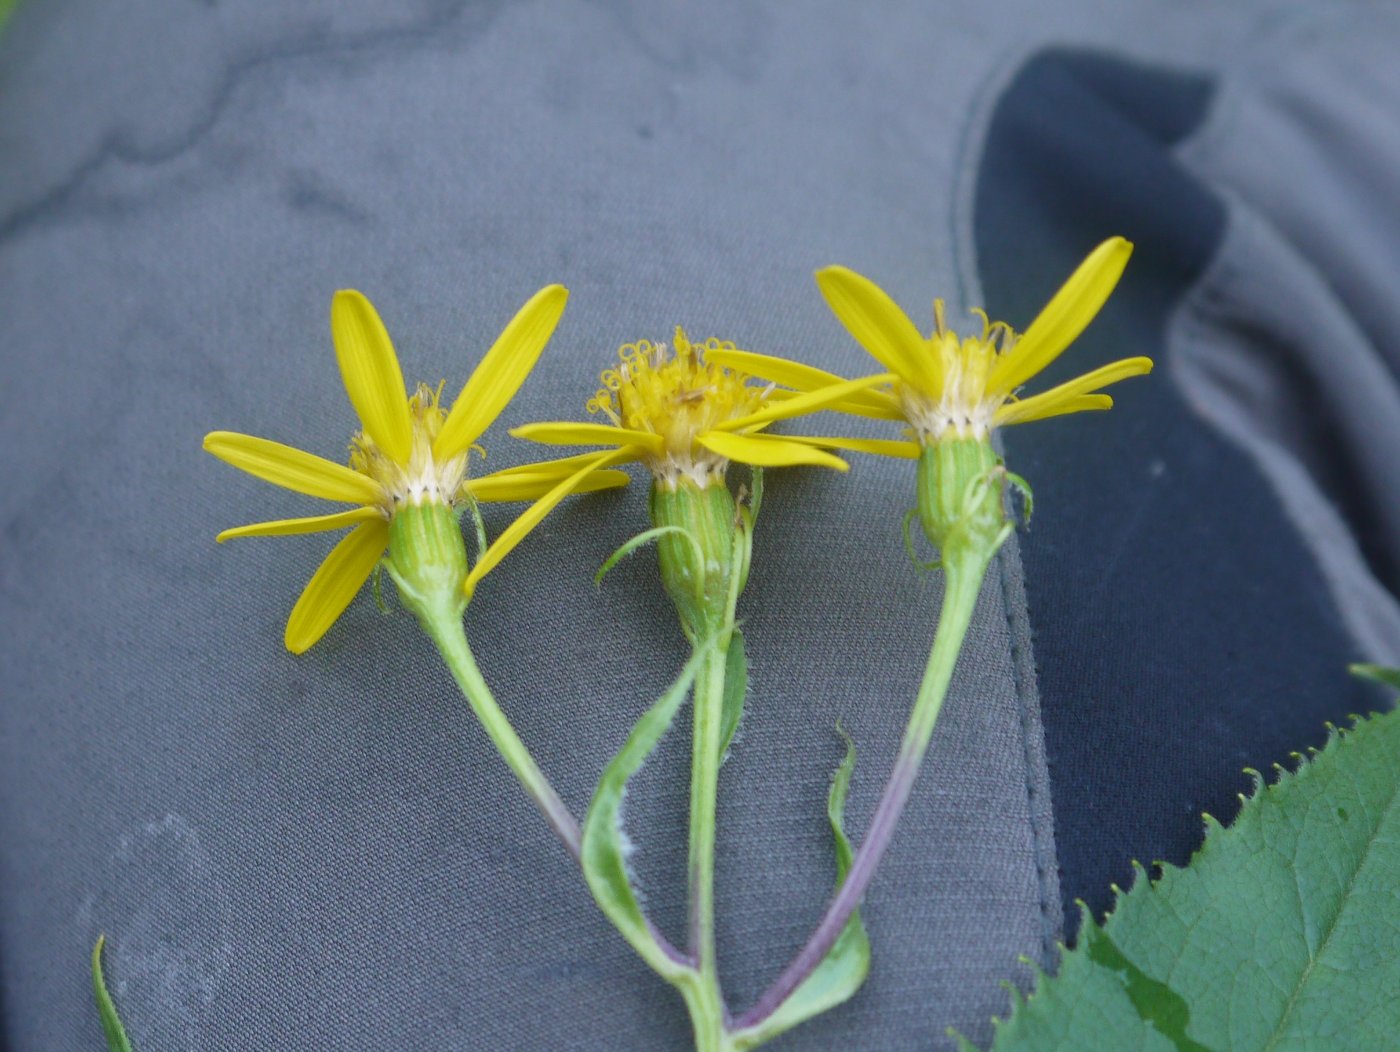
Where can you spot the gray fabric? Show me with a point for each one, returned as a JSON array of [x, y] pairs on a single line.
[[323, 852], [1290, 344]]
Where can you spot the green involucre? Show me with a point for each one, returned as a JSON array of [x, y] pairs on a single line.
[[960, 484], [428, 560], [701, 563]]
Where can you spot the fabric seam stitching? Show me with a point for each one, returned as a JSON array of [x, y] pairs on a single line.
[[978, 119]]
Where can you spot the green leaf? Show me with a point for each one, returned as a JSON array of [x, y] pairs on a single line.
[[736, 685], [647, 537], [473, 507], [1389, 677], [376, 578], [836, 809], [846, 965], [755, 494], [111, 1022], [604, 848], [1282, 933]]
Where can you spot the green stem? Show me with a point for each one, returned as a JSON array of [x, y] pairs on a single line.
[[444, 627], [704, 784], [704, 781], [705, 1003], [705, 999]]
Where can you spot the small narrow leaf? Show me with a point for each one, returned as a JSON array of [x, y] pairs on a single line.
[[1282, 932], [478, 523], [736, 685], [644, 538], [1389, 677], [111, 1022], [846, 965], [756, 496], [836, 809], [604, 848], [377, 589]]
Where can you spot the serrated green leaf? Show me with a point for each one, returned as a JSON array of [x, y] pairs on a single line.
[[1283, 932], [106, 1008], [846, 965], [736, 685], [604, 846], [1389, 677]]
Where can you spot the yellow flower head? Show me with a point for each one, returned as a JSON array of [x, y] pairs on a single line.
[[954, 386], [684, 414], [422, 478], [410, 452], [674, 392]]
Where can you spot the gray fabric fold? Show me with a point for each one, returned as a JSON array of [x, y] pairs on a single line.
[[1290, 344]]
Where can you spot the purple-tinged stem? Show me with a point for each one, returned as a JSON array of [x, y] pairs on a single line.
[[962, 583], [667, 947]]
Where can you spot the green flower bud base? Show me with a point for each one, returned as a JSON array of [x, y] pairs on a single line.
[[704, 553], [428, 560], [960, 483]]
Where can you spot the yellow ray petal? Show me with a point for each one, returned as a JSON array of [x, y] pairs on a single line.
[[502, 490], [556, 469], [874, 405], [567, 433], [768, 451], [803, 378], [295, 470], [533, 515], [1018, 413], [769, 367], [501, 372], [335, 583], [371, 373], [312, 524], [1035, 406], [880, 447], [881, 328], [1071, 309], [808, 402]]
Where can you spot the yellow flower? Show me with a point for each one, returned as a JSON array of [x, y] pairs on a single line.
[[683, 414], [946, 385], [411, 452]]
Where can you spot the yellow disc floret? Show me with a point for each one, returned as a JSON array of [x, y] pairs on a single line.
[[960, 399], [422, 479], [676, 394]]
